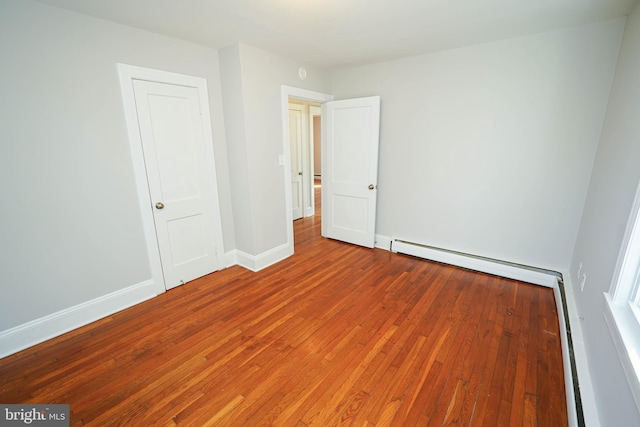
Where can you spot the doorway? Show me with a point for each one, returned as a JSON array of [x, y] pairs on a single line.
[[305, 145], [349, 163], [169, 129], [317, 99]]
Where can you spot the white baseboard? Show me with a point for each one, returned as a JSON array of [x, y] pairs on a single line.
[[230, 258], [383, 242], [55, 324], [587, 395], [572, 413], [265, 259]]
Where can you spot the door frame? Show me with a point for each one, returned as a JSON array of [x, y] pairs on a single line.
[[312, 109], [127, 74], [309, 110], [301, 108], [305, 95]]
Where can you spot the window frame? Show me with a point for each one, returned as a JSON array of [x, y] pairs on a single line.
[[622, 308]]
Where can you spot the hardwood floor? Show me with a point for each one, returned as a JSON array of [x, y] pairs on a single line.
[[334, 335]]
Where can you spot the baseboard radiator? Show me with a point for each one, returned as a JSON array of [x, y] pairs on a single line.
[[506, 269], [522, 273]]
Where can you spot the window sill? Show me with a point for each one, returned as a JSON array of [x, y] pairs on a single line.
[[625, 332]]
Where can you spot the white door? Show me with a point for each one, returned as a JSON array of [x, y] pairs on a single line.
[[296, 132], [178, 168], [350, 169]]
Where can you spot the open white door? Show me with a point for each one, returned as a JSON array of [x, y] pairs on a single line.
[[179, 170], [296, 114], [350, 169]]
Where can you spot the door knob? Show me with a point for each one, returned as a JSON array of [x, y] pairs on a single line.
[[159, 205], [300, 173], [371, 186]]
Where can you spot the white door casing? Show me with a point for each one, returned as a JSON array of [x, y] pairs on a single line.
[[170, 133], [350, 140], [296, 132], [314, 111]]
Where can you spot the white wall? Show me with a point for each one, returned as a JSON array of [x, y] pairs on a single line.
[[71, 228], [488, 149], [252, 79], [231, 75], [616, 174]]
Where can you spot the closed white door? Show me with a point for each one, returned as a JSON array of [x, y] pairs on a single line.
[[350, 169], [296, 132], [179, 168]]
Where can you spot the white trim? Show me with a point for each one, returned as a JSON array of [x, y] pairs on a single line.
[[50, 326], [477, 264], [566, 360], [382, 242], [258, 262], [623, 325], [589, 407], [623, 328], [286, 93], [314, 111], [628, 257], [230, 258], [127, 74]]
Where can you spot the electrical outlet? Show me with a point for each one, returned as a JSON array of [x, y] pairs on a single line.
[[579, 271], [582, 281]]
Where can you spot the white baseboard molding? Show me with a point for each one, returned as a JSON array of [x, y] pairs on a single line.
[[230, 258], [265, 259], [383, 242], [572, 412], [55, 324], [587, 396]]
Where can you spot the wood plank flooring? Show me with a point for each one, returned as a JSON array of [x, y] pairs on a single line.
[[334, 335]]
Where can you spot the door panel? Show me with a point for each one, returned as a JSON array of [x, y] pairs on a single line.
[[296, 130], [184, 209], [350, 169], [186, 238], [177, 166]]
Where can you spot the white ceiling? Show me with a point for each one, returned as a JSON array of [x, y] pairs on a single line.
[[341, 33]]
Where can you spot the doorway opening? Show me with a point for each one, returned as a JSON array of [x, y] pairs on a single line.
[[305, 139], [305, 201], [305, 145]]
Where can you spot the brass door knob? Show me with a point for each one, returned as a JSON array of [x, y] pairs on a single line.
[[159, 205]]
